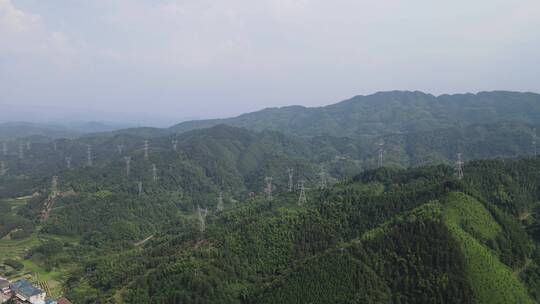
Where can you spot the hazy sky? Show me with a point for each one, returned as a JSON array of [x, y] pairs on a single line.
[[175, 59]]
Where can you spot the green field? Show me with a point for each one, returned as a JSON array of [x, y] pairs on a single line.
[[17, 250]]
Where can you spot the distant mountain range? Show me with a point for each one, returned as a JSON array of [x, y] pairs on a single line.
[[382, 113], [387, 113], [144, 225], [416, 129], [44, 131]]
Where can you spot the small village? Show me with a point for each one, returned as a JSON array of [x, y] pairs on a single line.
[[23, 292]]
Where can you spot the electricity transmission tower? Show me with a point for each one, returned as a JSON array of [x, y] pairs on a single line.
[[21, 151], [290, 171], [268, 188], [55, 147], [323, 183], [120, 148], [459, 166], [146, 142], [54, 185], [68, 162], [127, 159], [3, 169], [28, 146], [302, 199], [534, 142], [4, 149], [220, 204], [202, 213], [139, 188], [154, 172], [89, 160], [381, 152], [174, 144]]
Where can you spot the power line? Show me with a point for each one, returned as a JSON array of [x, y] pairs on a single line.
[[127, 159], [139, 188], [268, 188], [322, 183], [68, 162], [89, 160], [154, 172], [202, 213], [290, 171], [459, 166], [381, 152], [302, 199], [220, 203], [54, 185], [146, 144], [534, 142], [3, 168], [21, 151]]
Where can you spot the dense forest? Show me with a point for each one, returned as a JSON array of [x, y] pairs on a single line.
[[387, 113], [217, 215], [385, 236], [388, 235]]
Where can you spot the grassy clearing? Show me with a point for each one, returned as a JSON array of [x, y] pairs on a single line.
[[492, 281], [471, 216]]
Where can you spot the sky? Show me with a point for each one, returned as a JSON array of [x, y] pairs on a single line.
[[162, 61]]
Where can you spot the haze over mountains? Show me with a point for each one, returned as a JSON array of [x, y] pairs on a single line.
[[27, 130], [341, 139], [381, 113], [416, 128]]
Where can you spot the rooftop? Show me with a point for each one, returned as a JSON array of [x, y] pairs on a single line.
[[63, 300], [25, 288]]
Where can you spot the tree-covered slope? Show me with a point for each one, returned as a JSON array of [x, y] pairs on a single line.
[[388, 112], [385, 236], [444, 239], [414, 259], [240, 159]]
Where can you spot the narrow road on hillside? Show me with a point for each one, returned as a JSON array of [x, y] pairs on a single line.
[[140, 243]]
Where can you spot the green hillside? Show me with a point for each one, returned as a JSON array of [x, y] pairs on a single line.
[[388, 112], [491, 280], [386, 235]]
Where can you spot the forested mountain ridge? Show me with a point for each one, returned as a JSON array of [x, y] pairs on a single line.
[[20, 130], [45, 131], [468, 241], [388, 112], [237, 159], [385, 236], [192, 221]]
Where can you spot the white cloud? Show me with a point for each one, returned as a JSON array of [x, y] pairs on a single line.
[[24, 33]]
